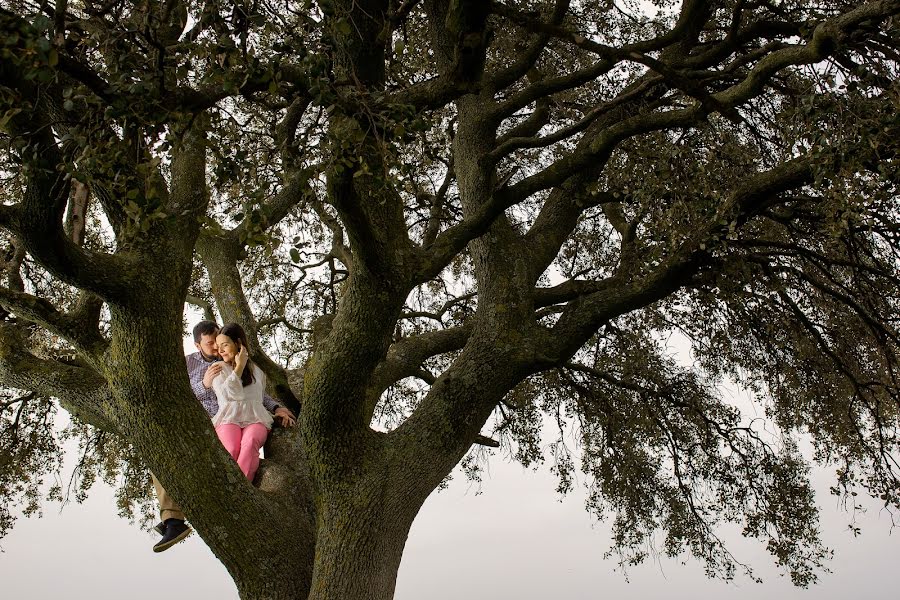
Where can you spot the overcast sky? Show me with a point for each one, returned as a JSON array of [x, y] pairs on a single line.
[[515, 540]]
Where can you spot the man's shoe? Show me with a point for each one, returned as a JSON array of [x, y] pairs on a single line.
[[176, 531], [160, 528]]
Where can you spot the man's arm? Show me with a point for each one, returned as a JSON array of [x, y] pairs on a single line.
[[271, 404], [284, 416], [207, 397]]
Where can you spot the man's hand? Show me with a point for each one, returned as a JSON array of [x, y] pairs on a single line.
[[285, 417], [211, 372]]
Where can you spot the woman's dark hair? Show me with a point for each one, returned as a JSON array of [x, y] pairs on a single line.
[[236, 333]]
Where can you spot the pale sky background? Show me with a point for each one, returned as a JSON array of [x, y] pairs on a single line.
[[515, 540]]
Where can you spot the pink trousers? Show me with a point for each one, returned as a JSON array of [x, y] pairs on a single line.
[[243, 444]]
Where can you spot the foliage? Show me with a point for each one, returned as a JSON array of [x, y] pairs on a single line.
[[440, 217]]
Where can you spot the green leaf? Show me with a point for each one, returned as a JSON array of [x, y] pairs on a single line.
[[9, 115], [343, 26]]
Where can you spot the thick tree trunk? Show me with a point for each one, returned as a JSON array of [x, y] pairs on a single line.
[[357, 559], [265, 544], [360, 541], [276, 587]]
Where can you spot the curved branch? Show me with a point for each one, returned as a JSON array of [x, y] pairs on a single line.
[[42, 312], [825, 40], [548, 87], [516, 142], [81, 390], [405, 358], [433, 93], [202, 304], [439, 315], [339, 248]]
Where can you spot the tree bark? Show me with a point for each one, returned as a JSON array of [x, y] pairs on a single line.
[[76, 212], [359, 547]]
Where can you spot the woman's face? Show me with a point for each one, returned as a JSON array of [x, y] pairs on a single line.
[[228, 349]]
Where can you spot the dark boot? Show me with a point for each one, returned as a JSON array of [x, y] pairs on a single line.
[[176, 531]]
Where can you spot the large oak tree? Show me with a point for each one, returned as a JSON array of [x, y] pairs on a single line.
[[440, 221]]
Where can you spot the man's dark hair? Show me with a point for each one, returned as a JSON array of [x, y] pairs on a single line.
[[204, 328]]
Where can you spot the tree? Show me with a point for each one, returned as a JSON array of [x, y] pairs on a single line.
[[439, 217]]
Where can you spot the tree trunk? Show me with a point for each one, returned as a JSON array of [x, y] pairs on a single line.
[[264, 539], [278, 585], [359, 548]]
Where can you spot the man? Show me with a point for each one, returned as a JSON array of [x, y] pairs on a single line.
[[202, 366]]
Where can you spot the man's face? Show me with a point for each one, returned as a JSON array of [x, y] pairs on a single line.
[[207, 346]]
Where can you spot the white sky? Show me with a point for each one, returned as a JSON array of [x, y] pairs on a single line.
[[515, 540]]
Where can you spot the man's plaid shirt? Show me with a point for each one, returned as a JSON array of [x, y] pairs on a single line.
[[196, 366]]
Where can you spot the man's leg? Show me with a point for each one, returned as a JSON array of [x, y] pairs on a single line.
[[168, 508], [173, 526], [254, 436]]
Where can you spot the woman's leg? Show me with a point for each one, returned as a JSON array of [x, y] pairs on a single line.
[[230, 436], [254, 436]]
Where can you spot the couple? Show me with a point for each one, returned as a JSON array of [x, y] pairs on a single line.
[[231, 389]]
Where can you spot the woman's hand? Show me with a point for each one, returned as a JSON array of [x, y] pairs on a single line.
[[240, 361]]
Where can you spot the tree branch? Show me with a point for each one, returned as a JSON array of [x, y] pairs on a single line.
[[221, 255], [439, 315], [405, 357], [41, 312], [205, 305], [81, 390], [532, 53], [627, 291], [37, 220], [291, 194], [515, 142], [454, 239]]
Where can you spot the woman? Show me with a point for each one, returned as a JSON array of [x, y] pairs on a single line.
[[242, 423]]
